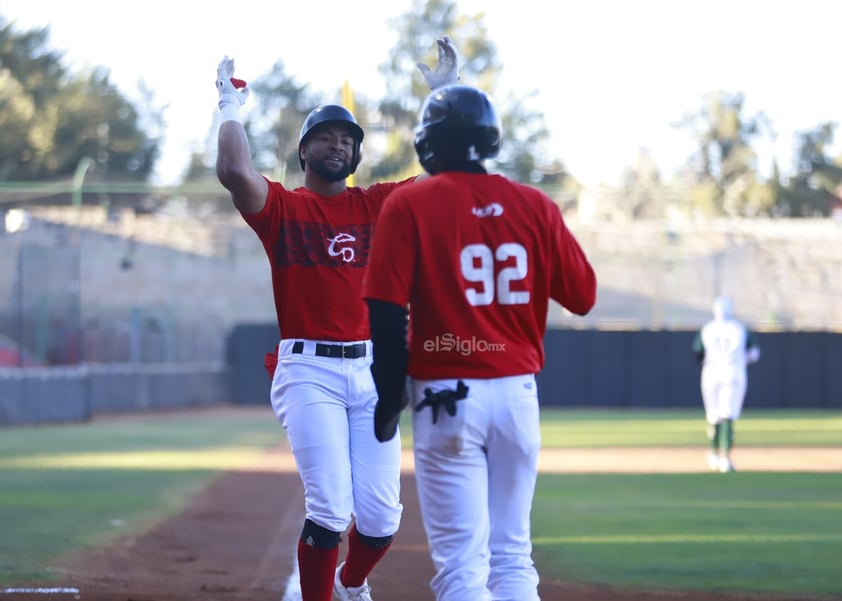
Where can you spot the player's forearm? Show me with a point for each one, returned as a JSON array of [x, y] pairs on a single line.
[[388, 323], [233, 159], [235, 170], [233, 163], [578, 285]]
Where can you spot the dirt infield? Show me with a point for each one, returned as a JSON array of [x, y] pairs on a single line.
[[237, 539]]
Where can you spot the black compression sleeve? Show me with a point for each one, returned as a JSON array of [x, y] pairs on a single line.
[[389, 326]]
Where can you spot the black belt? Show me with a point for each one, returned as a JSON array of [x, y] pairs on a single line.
[[337, 351]]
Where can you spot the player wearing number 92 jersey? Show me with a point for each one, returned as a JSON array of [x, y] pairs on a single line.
[[476, 258]]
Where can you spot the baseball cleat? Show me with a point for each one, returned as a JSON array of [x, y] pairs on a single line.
[[713, 461], [350, 593], [725, 465]]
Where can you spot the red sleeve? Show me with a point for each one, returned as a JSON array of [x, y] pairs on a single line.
[[393, 248], [380, 191], [574, 283], [267, 222]]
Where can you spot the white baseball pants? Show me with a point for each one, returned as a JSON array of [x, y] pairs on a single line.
[[326, 406], [476, 474]]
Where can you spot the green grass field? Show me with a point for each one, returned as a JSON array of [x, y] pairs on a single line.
[[64, 487], [775, 533]]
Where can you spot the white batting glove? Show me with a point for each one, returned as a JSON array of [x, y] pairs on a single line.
[[447, 71], [233, 92]]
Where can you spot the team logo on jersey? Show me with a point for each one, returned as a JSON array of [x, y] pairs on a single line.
[[492, 210], [305, 243], [335, 249]]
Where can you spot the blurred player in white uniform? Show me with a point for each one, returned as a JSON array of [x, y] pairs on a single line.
[[725, 348]]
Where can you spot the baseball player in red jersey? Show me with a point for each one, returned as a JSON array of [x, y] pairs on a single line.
[[476, 258], [317, 239]]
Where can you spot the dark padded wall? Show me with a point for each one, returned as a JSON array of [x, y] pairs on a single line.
[[622, 368], [246, 347], [641, 368]]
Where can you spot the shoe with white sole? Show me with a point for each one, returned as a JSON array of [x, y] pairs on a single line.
[[713, 461], [350, 593], [725, 465]]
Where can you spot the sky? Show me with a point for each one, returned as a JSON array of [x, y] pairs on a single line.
[[612, 76]]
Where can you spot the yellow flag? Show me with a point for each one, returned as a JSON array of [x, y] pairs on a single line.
[[348, 103]]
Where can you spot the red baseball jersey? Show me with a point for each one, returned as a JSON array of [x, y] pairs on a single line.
[[477, 258], [318, 248]]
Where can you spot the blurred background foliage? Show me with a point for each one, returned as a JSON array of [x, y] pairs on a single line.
[[52, 119]]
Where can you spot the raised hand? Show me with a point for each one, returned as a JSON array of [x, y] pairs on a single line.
[[231, 90], [447, 70]]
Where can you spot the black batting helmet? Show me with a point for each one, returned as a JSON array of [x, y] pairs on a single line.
[[458, 125], [333, 113]]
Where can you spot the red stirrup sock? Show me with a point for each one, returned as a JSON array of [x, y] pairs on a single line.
[[316, 567], [363, 554]]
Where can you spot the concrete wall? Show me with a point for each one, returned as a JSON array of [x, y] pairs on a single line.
[[114, 287]]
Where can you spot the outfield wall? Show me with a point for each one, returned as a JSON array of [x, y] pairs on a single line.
[[595, 368], [584, 368], [628, 368]]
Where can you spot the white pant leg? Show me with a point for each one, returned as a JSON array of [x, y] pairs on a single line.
[[738, 394], [306, 397], [452, 478], [375, 466], [723, 393], [476, 476], [513, 446]]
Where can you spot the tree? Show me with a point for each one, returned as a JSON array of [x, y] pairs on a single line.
[[418, 28], [51, 119], [274, 128], [282, 104], [726, 163], [812, 189], [643, 192]]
